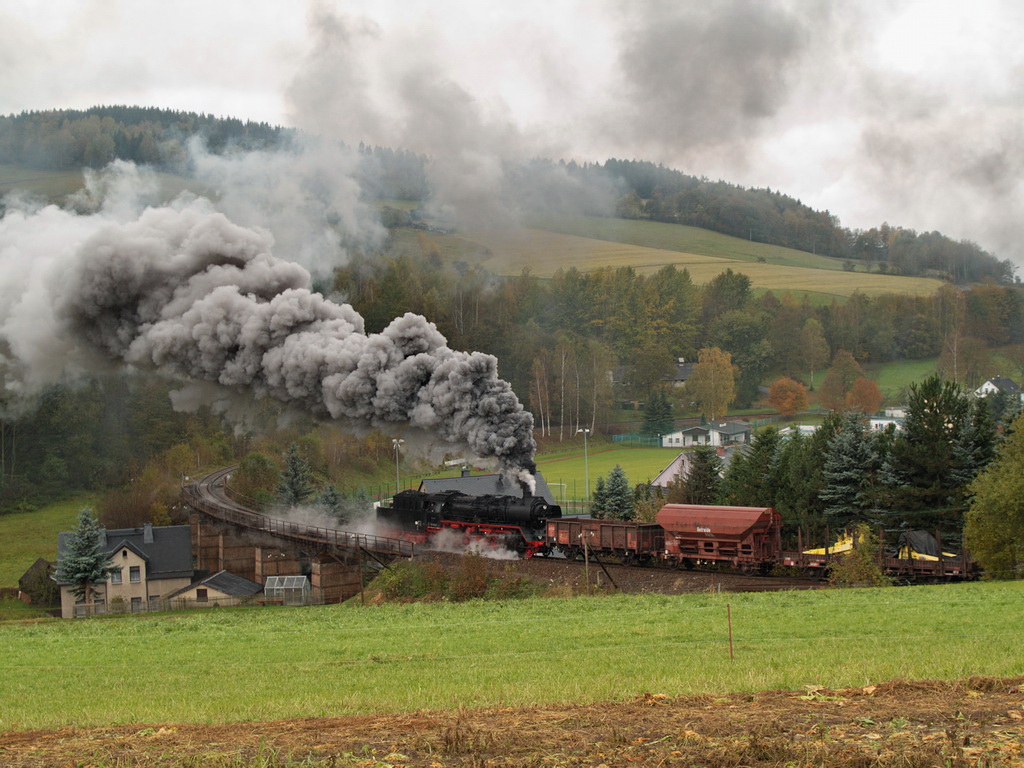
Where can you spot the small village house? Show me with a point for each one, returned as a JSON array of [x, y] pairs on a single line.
[[716, 433], [151, 562]]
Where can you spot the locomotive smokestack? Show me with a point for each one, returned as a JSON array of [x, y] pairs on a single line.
[[528, 483]]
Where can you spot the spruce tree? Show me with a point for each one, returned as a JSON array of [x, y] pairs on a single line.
[[701, 484], [618, 503], [848, 473], [295, 485], [84, 563], [752, 479], [657, 414], [331, 503], [598, 499]]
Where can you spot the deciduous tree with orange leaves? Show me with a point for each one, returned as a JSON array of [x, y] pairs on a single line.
[[787, 396], [864, 396]]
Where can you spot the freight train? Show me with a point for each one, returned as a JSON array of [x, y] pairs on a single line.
[[684, 535]]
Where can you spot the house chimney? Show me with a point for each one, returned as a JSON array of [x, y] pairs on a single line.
[[147, 533]]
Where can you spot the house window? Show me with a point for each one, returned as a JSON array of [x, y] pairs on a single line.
[[136, 604], [201, 596], [115, 577], [135, 574]]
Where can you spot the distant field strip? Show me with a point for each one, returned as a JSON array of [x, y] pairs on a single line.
[[508, 252]]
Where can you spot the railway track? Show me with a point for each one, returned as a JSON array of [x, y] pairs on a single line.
[[728, 581], [212, 496]]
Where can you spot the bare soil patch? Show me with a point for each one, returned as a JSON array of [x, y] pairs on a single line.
[[975, 722]]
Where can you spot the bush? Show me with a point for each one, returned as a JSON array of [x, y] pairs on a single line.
[[859, 567], [407, 581], [402, 580]]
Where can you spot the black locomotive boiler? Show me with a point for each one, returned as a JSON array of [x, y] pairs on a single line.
[[510, 522]]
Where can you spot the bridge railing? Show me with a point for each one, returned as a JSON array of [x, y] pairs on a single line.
[[296, 531]]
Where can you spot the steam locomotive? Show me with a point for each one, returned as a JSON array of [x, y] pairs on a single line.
[[508, 522]]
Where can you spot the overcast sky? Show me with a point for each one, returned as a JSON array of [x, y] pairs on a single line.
[[908, 111]]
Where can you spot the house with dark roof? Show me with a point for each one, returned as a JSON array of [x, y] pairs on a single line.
[[715, 433], [150, 562], [222, 588], [680, 465], [483, 485], [999, 384]]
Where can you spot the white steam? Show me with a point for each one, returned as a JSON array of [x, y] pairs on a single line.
[[456, 542]]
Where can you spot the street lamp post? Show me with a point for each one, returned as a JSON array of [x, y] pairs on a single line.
[[586, 465], [396, 443]]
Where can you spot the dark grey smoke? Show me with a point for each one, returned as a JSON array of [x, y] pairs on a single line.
[[706, 75], [183, 291]]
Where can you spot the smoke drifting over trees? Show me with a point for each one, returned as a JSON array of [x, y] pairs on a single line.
[[183, 291]]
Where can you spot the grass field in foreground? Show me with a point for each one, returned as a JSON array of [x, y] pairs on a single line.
[[232, 665]]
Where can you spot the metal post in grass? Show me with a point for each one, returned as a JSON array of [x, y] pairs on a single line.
[[586, 465], [728, 613]]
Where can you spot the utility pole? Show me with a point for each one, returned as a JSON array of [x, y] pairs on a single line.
[[586, 465]]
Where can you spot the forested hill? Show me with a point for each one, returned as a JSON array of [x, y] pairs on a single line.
[[73, 138], [662, 194]]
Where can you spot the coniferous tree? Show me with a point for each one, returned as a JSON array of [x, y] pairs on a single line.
[[295, 485], [598, 500], [943, 444], [84, 564], [357, 506], [799, 475], [1003, 407], [752, 479], [618, 504], [703, 480], [657, 414], [976, 446], [331, 502], [848, 473]]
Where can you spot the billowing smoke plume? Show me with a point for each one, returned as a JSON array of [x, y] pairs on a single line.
[[183, 291]]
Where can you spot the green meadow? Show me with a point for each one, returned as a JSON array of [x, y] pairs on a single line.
[[544, 252], [57, 185], [231, 665], [27, 536], [676, 237], [50, 184]]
